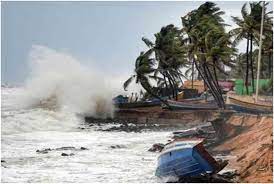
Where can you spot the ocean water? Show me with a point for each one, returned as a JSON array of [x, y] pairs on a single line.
[[25, 130]]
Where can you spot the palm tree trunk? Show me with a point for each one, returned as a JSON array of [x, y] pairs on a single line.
[[215, 86], [216, 77], [166, 89], [251, 65], [269, 65], [247, 66], [175, 86], [211, 87], [212, 84], [192, 74], [171, 85], [206, 81]]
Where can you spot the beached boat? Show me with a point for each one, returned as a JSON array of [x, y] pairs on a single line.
[[201, 99], [138, 104], [188, 105], [186, 158], [243, 106]]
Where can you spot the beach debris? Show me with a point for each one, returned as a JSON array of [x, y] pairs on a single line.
[[156, 147]]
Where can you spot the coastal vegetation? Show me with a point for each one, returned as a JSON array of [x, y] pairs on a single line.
[[203, 48]]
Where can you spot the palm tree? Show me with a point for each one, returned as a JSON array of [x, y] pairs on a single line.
[[208, 29], [249, 29], [170, 53], [268, 50], [188, 22], [144, 66]]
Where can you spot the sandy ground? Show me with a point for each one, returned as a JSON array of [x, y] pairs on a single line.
[[251, 147]]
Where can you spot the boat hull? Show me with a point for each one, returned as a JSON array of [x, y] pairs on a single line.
[[184, 161], [138, 104], [191, 106], [243, 106]]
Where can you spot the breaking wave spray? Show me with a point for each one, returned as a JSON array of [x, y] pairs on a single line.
[[58, 81]]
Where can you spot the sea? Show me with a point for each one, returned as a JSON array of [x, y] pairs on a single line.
[[106, 156]]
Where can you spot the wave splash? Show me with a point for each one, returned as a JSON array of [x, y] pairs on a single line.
[[58, 81]]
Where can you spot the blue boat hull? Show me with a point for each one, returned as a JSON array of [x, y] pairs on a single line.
[[183, 163]]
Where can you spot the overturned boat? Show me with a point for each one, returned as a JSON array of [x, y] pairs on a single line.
[[184, 158]]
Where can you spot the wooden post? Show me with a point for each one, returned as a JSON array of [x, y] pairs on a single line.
[[260, 53]]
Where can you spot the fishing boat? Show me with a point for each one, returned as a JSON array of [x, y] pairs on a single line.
[[244, 106], [138, 104], [188, 105], [186, 158]]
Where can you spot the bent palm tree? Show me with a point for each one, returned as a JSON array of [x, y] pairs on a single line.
[[143, 67]]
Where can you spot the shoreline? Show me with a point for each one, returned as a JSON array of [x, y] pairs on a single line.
[[245, 140]]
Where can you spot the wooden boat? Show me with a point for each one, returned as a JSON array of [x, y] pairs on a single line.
[[197, 100], [138, 104], [186, 158], [243, 106], [191, 106]]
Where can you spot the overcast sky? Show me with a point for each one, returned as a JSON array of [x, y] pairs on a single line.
[[106, 35]]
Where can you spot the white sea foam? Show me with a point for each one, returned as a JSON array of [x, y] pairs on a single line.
[[72, 89], [58, 80]]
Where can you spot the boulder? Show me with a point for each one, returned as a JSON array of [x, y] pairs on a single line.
[[156, 147]]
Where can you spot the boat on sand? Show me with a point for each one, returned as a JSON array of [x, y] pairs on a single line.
[[184, 158], [188, 105], [248, 105]]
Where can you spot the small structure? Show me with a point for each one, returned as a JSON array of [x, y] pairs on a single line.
[[197, 84], [226, 85]]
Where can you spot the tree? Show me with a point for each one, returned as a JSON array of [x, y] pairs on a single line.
[[249, 29], [144, 66], [210, 48], [170, 54]]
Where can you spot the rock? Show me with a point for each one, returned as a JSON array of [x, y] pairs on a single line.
[[66, 148], [204, 179], [185, 133], [156, 147], [83, 148], [117, 146], [229, 174], [44, 151], [65, 154]]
